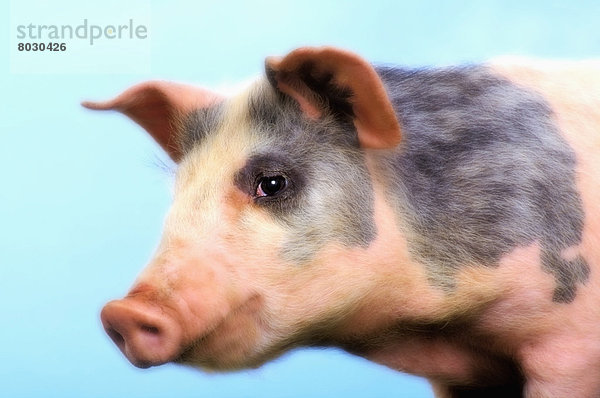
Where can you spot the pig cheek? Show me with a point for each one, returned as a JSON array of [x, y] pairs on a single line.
[[256, 244], [236, 271], [314, 295]]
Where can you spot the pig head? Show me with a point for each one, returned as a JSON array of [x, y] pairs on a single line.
[[273, 209]]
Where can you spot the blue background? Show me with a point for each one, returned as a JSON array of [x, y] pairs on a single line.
[[83, 195]]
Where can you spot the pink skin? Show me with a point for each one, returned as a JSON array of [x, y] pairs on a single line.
[[562, 359], [217, 295]]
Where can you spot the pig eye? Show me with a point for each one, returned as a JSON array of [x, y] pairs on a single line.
[[270, 186]]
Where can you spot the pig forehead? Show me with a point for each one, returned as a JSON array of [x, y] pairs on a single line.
[[273, 121], [232, 117], [229, 118]]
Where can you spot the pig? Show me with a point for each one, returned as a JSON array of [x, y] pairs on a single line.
[[443, 222]]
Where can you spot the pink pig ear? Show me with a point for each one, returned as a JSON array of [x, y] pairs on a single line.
[[159, 107], [319, 78]]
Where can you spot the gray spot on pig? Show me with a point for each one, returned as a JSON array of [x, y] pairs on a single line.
[[335, 200], [483, 170], [569, 274], [197, 124]]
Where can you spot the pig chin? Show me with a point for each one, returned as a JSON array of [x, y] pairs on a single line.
[[232, 344]]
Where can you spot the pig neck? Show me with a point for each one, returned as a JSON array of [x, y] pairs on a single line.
[[483, 323], [406, 288], [410, 323]]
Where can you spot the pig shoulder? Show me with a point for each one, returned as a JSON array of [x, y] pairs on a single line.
[[499, 171], [484, 169]]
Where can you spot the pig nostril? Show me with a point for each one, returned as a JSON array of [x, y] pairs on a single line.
[[150, 329], [116, 337]]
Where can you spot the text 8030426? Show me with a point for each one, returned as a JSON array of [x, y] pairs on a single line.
[[42, 46]]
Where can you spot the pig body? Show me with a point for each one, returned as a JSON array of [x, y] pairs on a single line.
[[440, 222]]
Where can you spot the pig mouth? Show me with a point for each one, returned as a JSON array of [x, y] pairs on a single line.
[[151, 335], [228, 343]]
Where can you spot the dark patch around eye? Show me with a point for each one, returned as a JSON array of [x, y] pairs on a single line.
[[259, 166]]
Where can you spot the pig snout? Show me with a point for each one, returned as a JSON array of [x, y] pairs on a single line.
[[145, 334]]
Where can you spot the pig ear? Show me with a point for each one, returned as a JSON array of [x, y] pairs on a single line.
[[344, 83], [159, 107]]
